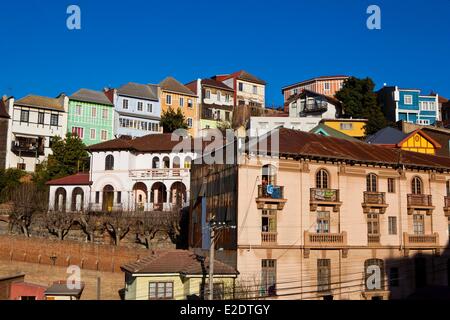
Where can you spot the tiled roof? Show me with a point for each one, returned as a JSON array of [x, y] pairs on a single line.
[[298, 144], [41, 102], [299, 95], [314, 79], [242, 75], [86, 95], [177, 261], [79, 179], [332, 132], [3, 112], [173, 85], [216, 84], [144, 91]]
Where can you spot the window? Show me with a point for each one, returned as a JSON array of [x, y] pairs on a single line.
[[78, 110], [181, 102], [373, 225], [418, 224], [241, 102], [323, 275], [109, 162], [93, 134], [392, 221], [168, 99], [24, 116], [187, 163], [416, 185], [295, 91], [323, 222], [268, 277], [54, 120], [207, 94], [149, 107], [372, 182], [41, 117], [394, 277], [218, 290], [21, 166], [408, 99], [160, 290], [326, 86], [227, 98], [190, 105], [218, 96], [105, 114], [104, 135], [255, 90], [119, 197], [125, 104], [346, 126], [94, 112], [269, 174], [189, 122], [241, 86], [269, 221], [391, 185], [322, 179], [140, 105], [227, 115], [97, 197], [78, 131]]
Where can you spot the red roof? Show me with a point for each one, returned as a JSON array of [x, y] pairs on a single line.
[[242, 75], [79, 179]]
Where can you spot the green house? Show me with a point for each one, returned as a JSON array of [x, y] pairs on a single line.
[[91, 116]]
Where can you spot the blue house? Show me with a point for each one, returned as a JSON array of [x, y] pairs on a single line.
[[409, 105]]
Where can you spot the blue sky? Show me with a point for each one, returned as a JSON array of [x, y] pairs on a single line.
[[280, 41]]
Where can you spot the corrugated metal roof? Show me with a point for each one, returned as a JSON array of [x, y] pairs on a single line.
[[87, 95]]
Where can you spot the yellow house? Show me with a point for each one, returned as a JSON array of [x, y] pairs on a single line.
[[351, 127], [177, 96], [176, 275]]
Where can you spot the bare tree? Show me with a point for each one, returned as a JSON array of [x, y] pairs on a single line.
[[91, 223], [57, 223], [119, 224], [172, 221], [156, 226], [26, 201]]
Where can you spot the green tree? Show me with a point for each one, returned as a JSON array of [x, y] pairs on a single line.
[[360, 101], [9, 180], [171, 120]]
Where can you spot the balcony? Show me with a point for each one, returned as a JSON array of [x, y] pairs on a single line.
[[420, 202], [421, 241], [373, 239], [157, 174], [328, 240], [374, 200], [22, 150], [268, 238], [315, 107], [324, 197], [270, 195], [447, 206]]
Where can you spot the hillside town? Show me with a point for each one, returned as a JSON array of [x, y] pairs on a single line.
[[341, 193]]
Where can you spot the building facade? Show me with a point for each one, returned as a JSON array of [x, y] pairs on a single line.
[[351, 127], [4, 125], [409, 105], [137, 109], [326, 218], [91, 116], [177, 96], [35, 120]]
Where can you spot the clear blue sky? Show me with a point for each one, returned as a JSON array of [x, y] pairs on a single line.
[[280, 41]]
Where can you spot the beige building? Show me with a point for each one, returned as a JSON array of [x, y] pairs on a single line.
[[328, 218]]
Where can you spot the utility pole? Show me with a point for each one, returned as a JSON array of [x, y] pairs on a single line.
[[211, 259]]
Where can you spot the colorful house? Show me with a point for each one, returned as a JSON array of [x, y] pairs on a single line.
[[350, 127], [416, 141], [330, 132], [409, 105], [177, 96], [176, 275], [91, 116]]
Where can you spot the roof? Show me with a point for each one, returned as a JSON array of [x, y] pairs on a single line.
[[299, 144], [336, 77], [41, 102], [343, 120], [150, 143], [3, 111], [144, 91], [299, 95], [331, 132], [60, 288], [183, 262], [79, 179], [208, 83], [242, 75], [173, 85], [387, 135], [86, 95]]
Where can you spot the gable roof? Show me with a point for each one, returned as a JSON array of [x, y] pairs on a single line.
[[173, 85], [183, 262], [87, 95], [241, 75], [299, 95], [336, 77], [60, 288], [144, 91], [395, 137], [79, 179], [299, 144], [212, 83], [41, 102], [331, 132], [3, 112]]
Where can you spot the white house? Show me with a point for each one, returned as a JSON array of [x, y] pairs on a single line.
[[145, 174], [35, 120]]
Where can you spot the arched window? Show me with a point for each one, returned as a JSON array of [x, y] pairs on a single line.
[[372, 182], [77, 199], [155, 163], [416, 185], [109, 162], [322, 179], [166, 162], [269, 174], [60, 200], [374, 274], [187, 162], [108, 198]]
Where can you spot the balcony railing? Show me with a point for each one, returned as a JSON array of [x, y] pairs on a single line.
[[374, 200], [268, 193], [420, 202], [324, 197], [27, 151], [325, 239], [268, 237], [172, 173], [315, 107], [421, 240], [373, 238]]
